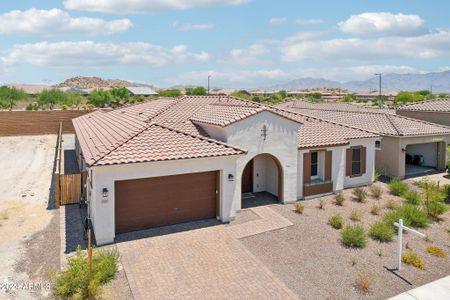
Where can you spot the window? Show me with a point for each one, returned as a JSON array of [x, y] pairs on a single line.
[[378, 144], [314, 163], [356, 161]]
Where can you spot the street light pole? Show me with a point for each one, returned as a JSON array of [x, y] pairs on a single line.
[[379, 87], [209, 77]]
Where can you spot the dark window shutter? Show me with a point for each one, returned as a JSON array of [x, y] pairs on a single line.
[[348, 162], [363, 160], [328, 165], [306, 167]]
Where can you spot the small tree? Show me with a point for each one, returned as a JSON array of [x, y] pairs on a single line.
[[197, 91], [100, 98], [120, 95], [170, 93], [10, 96], [433, 199], [50, 98]]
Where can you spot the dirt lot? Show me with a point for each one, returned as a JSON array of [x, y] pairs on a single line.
[[311, 260], [29, 232]]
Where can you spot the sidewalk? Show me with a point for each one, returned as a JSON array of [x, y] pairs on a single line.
[[436, 290]]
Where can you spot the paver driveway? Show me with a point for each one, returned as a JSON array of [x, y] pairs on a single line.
[[207, 263]]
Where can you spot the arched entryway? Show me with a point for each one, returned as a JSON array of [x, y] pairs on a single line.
[[262, 181]]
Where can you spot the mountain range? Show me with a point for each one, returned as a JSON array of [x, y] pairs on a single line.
[[439, 82]]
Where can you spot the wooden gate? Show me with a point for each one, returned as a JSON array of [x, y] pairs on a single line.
[[70, 185]]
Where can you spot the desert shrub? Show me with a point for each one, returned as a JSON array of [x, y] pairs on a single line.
[[446, 190], [339, 199], [363, 281], [414, 260], [433, 199], [360, 194], [299, 207], [391, 204], [336, 221], [321, 204], [355, 215], [436, 251], [397, 187], [412, 197], [376, 191], [74, 281], [412, 216], [375, 210], [354, 236], [381, 231], [377, 176]]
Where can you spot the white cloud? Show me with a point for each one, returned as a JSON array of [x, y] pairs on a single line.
[[138, 6], [304, 36], [191, 27], [309, 21], [430, 45], [382, 23], [55, 21], [277, 21], [245, 56], [89, 54]]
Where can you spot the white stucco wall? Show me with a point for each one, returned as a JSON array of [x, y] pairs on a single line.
[[265, 174], [429, 152], [102, 210]]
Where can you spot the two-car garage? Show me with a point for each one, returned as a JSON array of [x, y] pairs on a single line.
[[158, 201]]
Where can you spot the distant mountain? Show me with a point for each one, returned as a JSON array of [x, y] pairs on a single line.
[[97, 83], [438, 81]]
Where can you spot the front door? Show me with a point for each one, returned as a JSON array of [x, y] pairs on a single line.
[[247, 178]]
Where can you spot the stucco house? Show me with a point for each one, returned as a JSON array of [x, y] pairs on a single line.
[[175, 160], [435, 111], [408, 147]]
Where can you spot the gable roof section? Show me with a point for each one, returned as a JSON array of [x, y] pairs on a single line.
[[434, 105], [334, 106]]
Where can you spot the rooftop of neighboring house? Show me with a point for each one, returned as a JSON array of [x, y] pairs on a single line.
[[434, 105], [171, 128], [380, 121]]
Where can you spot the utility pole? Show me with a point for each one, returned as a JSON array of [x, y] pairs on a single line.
[[379, 86], [209, 78]]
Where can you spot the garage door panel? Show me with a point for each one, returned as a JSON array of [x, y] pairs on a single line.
[[152, 202]]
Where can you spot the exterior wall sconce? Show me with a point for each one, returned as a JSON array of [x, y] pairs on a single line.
[[105, 192], [230, 177], [403, 150]]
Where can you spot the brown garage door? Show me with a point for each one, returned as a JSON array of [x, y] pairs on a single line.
[[158, 201]]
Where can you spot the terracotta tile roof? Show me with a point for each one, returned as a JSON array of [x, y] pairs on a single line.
[[435, 105], [380, 123], [158, 143], [111, 136], [334, 106]]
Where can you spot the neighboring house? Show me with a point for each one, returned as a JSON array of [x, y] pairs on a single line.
[[141, 91], [435, 111], [73, 90], [409, 146], [175, 160]]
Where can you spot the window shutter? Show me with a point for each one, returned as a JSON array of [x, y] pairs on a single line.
[[363, 160], [306, 167], [328, 165], [348, 162]]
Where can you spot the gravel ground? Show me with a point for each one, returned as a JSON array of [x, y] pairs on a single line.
[[311, 260]]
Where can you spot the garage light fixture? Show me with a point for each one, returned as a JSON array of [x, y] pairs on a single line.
[[105, 192], [230, 177]]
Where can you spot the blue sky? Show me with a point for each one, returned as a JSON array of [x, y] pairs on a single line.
[[241, 43]]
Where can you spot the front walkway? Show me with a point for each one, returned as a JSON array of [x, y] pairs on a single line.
[[436, 290], [206, 263]]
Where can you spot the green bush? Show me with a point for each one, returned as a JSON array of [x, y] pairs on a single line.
[[397, 187], [360, 194], [336, 221], [381, 231], [412, 197], [339, 199], [446, 190], [433, 198], [412, 216], [354, 236], [74, 281]]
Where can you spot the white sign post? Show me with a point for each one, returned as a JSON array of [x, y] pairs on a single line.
[[400, 227]]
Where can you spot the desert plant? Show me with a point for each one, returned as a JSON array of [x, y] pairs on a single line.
[[412, 216], [321, 204], [339, 199], [74, 281], [433, 199], [436, 251], [376, 191], [413, 259], [446, 190], [363, 281], [360, 194], [391, 204], [299, 207], [375, 210], [355, 215], [412, 197], [336, 221], [397, 187], [377, 176], [354, 236], [381, 231]]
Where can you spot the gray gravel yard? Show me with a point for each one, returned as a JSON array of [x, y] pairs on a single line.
[[311, 260]]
